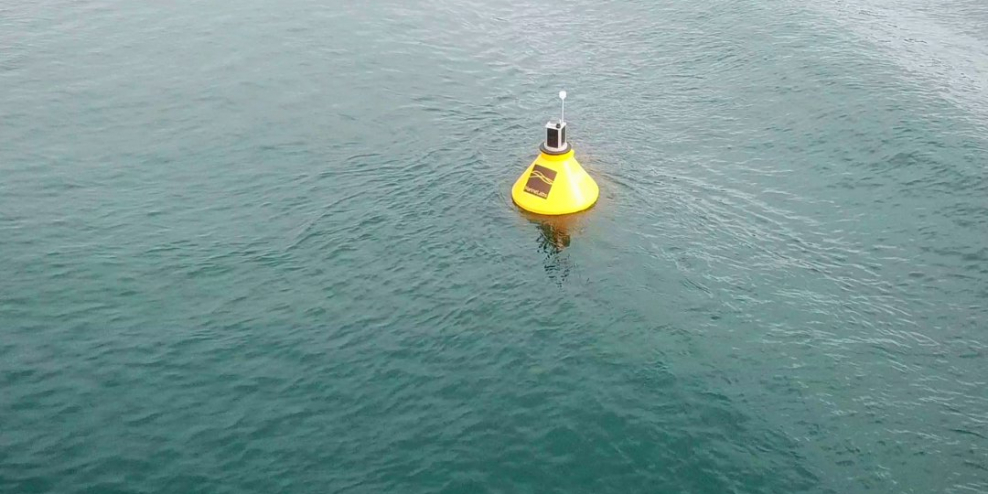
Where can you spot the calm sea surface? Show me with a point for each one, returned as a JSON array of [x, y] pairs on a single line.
[[266, 246]]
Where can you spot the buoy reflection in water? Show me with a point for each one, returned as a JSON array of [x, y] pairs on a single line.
[[555, 234]]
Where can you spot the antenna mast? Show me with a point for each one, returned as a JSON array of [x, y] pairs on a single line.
[[562, 97]]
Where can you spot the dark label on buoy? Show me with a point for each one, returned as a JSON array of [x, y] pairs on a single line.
[[540, 181]]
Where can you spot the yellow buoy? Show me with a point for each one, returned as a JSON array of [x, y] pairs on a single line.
[[555, 183]]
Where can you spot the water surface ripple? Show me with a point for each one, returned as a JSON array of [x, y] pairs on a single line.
[[269, 247]]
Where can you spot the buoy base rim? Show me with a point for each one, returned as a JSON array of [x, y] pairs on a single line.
[[554, 213]]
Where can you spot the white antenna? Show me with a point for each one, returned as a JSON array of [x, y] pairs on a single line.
[[562, 96]]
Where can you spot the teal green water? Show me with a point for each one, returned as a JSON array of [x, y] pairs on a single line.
[[270, 247]]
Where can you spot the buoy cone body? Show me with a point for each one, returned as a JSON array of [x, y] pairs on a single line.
[[554, 185]]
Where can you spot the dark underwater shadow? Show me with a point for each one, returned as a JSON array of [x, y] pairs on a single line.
[[555, 234]]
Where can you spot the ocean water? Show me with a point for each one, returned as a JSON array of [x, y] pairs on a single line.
[[269, 247]]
